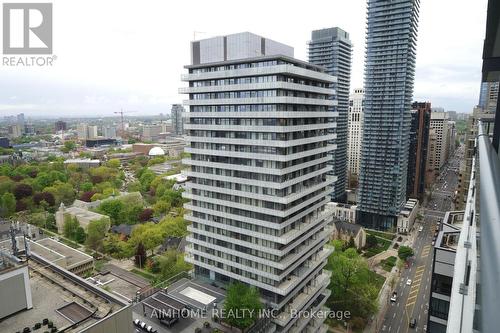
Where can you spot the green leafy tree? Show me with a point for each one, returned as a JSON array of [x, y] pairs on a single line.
[[38, 219], [243, 301], [86, 187], [80, 235], [8, 204], [354, 287], [96, 231], [405, 252], [175, 227], [171, 263], [113, 163], [117, 248], [70, 226], [51, 223], [68, 146], [112, 208], [22, 191], [62, 192], [134, 187], [152, 238], [6, 185], [147, 176]]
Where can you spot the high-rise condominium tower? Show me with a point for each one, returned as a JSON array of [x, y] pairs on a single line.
[[355, 133], [258, 132], [417, 152], [332, 49], [389, 73], [177, 122]]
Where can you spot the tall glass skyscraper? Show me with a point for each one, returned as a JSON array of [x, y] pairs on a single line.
[[331, 48], [389, 74]]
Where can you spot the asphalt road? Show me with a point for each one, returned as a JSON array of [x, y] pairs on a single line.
[[413, 300]]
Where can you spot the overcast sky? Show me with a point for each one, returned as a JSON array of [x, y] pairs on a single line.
[[130, 54]]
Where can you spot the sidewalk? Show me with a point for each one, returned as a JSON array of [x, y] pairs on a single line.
[[383, 296], [374, 325]]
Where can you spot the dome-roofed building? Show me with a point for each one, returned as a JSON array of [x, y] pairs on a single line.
[[156, 151]]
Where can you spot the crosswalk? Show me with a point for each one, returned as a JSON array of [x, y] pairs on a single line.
[[415, 286], [425, 251]]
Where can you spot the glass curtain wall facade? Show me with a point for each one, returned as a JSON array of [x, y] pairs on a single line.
[[389, 75], [332, 49], [417, 153], [177, 120], [259, 133]]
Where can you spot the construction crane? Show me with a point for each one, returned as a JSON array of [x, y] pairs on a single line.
[[121, 112]]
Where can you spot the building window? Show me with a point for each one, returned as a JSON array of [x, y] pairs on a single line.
[[442, 284], [439, 308]]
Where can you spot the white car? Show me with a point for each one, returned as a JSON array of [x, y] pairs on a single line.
[[408, 282], [394, 297], [420, 229]]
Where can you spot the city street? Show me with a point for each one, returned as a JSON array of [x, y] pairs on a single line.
[[413, 299]]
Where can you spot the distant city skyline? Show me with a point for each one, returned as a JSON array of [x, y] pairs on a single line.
[[113, 63]]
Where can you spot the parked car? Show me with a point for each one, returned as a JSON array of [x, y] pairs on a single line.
[[150, 329], [420, 229], [413, 323], [137, 322]]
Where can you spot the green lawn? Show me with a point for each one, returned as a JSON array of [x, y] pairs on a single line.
[[389, 263], [382, 244], [143, 273], [387, 235]]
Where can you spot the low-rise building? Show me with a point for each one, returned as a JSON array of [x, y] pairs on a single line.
[[342, 212], [100, 141], [14, 285], [445, 250], [82, 215], [407, 216], [345, 231], [83, 163], [54, 252]]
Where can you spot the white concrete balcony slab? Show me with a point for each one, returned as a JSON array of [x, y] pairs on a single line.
[[293, 281], [258, 156], [259, 71], [260, 128], [265, 143], [286, 238], [261, 183], [262, 114], [301, 323], [258, 86], [304, 299], [261, 100], [268, 171], [245, 219], [264, 249], [257, 196], [268, 211]]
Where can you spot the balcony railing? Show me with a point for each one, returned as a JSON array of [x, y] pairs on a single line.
[[489, 206], [477, 270]]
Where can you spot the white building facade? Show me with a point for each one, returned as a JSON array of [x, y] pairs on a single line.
[[355, 132], [258, 133]]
